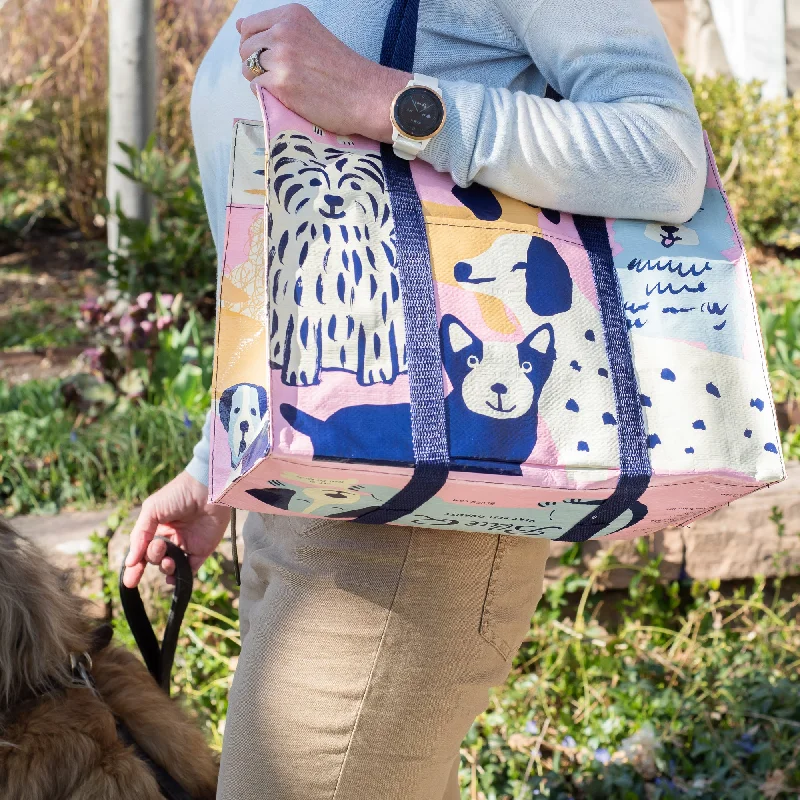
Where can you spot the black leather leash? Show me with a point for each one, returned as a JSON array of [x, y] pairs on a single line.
[[159, 659]]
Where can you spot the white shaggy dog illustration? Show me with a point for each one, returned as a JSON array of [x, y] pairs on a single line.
[[241, 409], [333, 287]]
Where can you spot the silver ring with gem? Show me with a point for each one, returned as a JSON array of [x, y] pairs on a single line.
[[254, 62]]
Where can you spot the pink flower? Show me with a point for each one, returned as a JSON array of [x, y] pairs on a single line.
[[126, 326]]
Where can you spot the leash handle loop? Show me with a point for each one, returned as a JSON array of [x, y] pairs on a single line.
[[159, 658]]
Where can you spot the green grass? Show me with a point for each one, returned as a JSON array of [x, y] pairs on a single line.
[[33, 327], [684, 697], [687, 693], [779, 311], [51, 459]]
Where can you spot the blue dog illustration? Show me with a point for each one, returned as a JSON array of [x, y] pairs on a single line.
[[492, 412]]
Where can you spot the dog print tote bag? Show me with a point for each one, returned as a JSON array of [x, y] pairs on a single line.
[[394, 348]]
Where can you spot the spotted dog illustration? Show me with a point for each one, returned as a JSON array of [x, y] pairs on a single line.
[[491, 412], [676, 285], [331, 251], [525, 272], [241, 410], [532, 279]]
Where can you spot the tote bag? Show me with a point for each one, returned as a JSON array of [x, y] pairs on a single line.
[[393, 348]]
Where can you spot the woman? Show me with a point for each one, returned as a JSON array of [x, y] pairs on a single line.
[[367, 652]]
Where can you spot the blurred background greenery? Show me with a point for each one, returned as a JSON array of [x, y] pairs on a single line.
[[663, 691]]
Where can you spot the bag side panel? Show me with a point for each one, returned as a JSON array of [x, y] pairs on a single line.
[[239, 388], [696, 342]]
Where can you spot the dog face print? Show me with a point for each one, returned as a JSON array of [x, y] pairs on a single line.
[[680, 281], [669, 235], [332, 251], [497, 379], [327, 500], [241, 409], [525, 272]]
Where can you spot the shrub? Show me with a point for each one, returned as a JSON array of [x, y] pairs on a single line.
[[55, 455], [757, 146], [53, 80], [173, 250], [149, 349]]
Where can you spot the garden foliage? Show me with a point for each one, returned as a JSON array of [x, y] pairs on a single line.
[[664, 692], [55, 455], [757, 146], [53, 79]]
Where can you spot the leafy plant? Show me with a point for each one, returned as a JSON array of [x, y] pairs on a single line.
[[689, 695], [174, 249], [51, 457], [150, 349]]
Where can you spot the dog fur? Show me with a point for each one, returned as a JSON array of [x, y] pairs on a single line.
[[58, 739]]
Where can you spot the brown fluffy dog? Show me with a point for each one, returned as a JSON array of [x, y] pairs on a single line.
[[58, 738]]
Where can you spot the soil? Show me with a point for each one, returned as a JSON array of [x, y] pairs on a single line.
[[40, 276]]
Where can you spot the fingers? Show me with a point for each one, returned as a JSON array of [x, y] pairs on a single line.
[[252, 44], [141, 536], [156, 551], [133, 574], [167, 567], [264, 20]]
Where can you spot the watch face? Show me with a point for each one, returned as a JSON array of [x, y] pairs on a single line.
[[418, 112]]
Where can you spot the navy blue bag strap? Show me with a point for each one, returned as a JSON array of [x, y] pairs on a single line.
[[634, 459], [428, 420], [634, 456], [423, 352]]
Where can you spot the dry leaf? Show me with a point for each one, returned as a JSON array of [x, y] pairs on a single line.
[[774, 785]]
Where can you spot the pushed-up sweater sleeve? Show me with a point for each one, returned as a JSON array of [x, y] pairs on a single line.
[[625, 142]]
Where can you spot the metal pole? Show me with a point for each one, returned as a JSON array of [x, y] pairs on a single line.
[[131, 102]]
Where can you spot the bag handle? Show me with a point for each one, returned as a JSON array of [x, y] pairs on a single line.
[[635, 469], [413, 260]]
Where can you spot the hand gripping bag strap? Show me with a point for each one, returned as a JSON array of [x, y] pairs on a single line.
[[426, 388]]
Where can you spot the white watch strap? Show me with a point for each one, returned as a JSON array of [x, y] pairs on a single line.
[[404, 146], [424, 80], [407, 148]]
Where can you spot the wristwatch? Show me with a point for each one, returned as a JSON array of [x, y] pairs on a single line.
[[417, 115]]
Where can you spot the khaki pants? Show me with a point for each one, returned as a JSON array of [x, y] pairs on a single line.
[[367, 653]]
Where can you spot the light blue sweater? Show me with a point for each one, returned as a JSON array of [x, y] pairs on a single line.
[[626, 142]]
